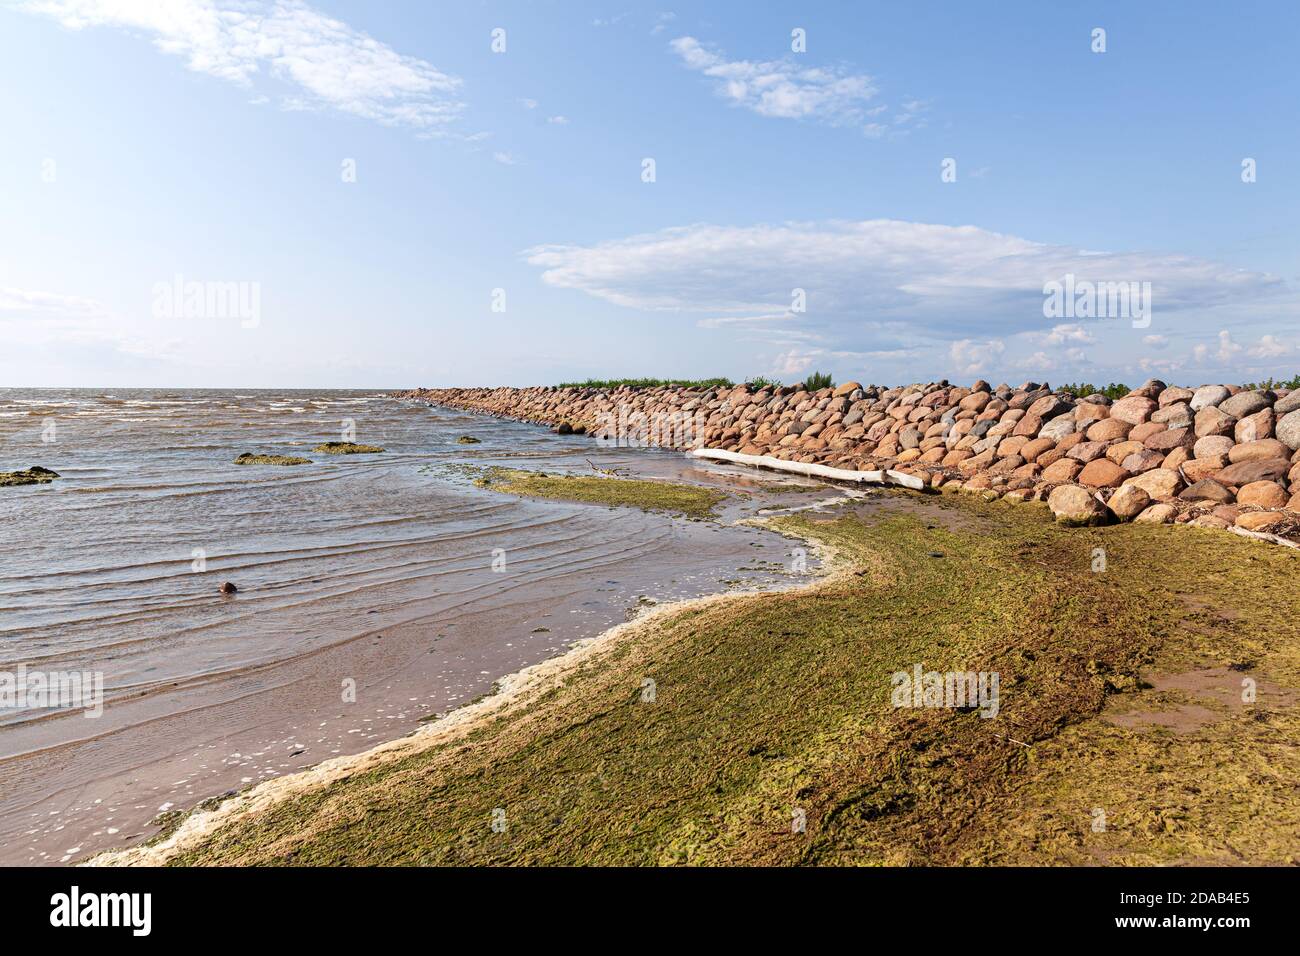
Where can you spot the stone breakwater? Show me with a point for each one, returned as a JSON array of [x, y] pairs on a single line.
[[1217, 456]]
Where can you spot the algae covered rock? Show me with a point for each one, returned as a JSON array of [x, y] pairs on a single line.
[[35, 475], [467, 440], [346, 448], [247, 458], [1075, 506]]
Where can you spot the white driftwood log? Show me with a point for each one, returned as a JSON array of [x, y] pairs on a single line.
[[1264, 536], [879, 477]]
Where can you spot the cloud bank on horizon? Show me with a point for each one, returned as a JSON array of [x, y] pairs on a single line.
[[905, 289]]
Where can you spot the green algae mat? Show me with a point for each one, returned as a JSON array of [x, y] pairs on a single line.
[[693, 501], [1148, 715]]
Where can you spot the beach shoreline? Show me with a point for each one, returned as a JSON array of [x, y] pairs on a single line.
[[511, 692], [377, 575]]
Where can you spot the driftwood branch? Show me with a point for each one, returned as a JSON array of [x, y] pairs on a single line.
[[878, 477]]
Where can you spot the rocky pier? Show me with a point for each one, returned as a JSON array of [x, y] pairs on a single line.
[[1216, 456]]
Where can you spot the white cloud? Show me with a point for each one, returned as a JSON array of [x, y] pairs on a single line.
[[1039, 361], [1226, 351], [880, 292], [558, 120], [330, 64], [931, 279], [1159, 366], [1061, 334], [793, 362], [528, 104], [783, 88], [971, 357], [1269, 347], [505, 159], [49, 320]]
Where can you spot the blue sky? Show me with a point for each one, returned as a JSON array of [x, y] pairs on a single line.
[[208, 140]]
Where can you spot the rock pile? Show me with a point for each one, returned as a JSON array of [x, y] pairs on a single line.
[[1216, 456]]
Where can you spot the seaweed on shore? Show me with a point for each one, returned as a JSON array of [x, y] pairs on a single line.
[[771, 737], [693, 501]]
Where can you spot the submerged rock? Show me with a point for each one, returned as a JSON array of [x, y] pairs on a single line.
[[467, 440], [228, 588], [346, 448], [247, 458], [35, 475]]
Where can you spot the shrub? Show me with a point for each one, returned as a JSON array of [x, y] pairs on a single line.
[[1274, 384], [650, 383], [1112, 391], [817, 381], [762, 381]]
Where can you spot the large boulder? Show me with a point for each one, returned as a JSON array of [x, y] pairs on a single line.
[[1064, 469], [1208, 396], [1173, 395], [1287, 429], [1212, 445], [1167, 441], [1128, 502], [1265, 494], [1144, 460], [1086, 451], [1206, 467], [1057, 428], [1259, 520], [1134, 409], [1161, 484], [1157, 514], [1108, 429], [1207, 490], [1261, 450], [1212, 421], [1122, 449], [1032, 449], [1244, 472], [1049, 407], [1102, 473], [1178, 415], [1075, 506], [1254, 427], [1247, 403]]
